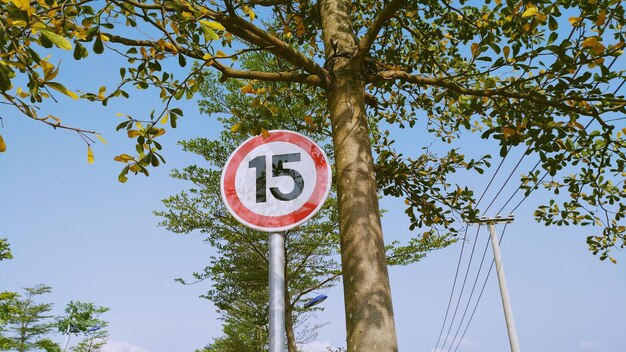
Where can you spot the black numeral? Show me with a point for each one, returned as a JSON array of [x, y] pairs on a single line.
[[278, 170]]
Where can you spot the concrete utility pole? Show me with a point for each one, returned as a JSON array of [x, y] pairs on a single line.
[[504, 292]]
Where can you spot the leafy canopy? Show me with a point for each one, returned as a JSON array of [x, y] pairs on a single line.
[[545, 76]]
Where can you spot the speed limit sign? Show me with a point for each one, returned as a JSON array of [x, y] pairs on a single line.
[[276, 183]]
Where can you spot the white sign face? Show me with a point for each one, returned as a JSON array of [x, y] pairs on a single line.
[[276, 183]]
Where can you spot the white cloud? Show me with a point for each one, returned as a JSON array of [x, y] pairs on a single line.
[[591, 346], [315, 346], [120, 346], [469, 344], [464, 344]]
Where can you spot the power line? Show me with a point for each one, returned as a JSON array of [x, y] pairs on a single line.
[[456, 274], [443, 324], [507, 180], [482, 290], [469, 264], [482, 260]]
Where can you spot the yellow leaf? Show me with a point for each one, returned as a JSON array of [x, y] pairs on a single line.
[[212, 34], [104, 38], [265, 133], [507, 131], [60, 88], [590, 42], [124, 158], [171, 48], [474, 49], [248, 89], [23, 5], [89, 155], [101, 92], [165, 118], [248, 11], [3, 146], [575, 21], [220, 53], [235, 128], [160, 132], [506, 50], [133, 133], [213, 25], [300, 29], [601, 18], [57, 39], [101, 139], [531, 10], [21, 93], [207, 56], [541, 17], [48, 70], [309, 120], [596, 47]]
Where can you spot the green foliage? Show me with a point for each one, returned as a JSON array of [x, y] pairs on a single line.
[[543, 76], [26, 323], [83, 320], [5, 249], [239, 269]]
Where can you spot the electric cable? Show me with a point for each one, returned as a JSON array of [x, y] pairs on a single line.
[[469, 300], [469, 264], [482, 290], [458, 265], [443, 324]]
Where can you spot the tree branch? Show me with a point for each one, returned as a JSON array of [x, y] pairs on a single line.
[[311, 289], [269, 2], [381, 19], [500, 92], [24, 109], [252, 33]]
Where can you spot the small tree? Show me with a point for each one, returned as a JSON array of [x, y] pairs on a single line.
[[26, 322], [239, 270], [83, 320]]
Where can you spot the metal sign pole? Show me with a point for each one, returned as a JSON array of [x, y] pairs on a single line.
[[277, 292]]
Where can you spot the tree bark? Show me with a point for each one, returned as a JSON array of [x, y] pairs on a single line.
[[369, 312]]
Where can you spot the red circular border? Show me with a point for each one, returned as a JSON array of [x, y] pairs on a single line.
[[282, 222]]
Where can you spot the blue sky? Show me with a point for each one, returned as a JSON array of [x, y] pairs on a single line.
[[74, 227]]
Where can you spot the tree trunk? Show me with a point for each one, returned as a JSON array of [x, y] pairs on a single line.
[[369, 312]]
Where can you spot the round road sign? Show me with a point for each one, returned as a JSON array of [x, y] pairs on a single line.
[[276, 183]]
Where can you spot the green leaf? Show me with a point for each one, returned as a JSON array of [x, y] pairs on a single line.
[[57, 40], [98, 46]]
